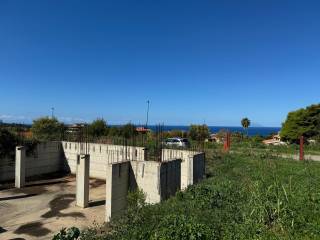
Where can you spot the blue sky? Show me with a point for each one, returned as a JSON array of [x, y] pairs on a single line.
[[196, 61]]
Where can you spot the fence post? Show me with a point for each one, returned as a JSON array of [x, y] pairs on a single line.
[[229, 140], [301, 157], [226, 145]]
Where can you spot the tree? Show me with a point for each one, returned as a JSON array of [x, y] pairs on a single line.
[[47, 129], [199, 132], [98, 128], [72, 233], [302, 122], [177, 133], [128, 131], [8, 142], [114, 131], [245, 122]]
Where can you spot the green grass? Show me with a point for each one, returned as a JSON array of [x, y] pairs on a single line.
[[245, 197], [259, 147]]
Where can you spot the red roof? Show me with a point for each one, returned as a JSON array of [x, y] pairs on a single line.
[[142, 129]]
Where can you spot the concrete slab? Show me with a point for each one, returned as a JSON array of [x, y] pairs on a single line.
[[41, 209]]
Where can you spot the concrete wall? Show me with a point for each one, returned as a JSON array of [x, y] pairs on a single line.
[[297, 157], [7, 169], [100, 156], [47, 159], [157, 180], [117, 186], [146, 176], [170, 178], [199, 168], [192, 165]]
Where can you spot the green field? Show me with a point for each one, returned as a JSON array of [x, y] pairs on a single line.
[[292, 149], [244, 197]]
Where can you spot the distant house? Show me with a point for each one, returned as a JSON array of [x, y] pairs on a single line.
[[142, 130], [75, 128], [312, 141], [26, 134], [214, 137], [275, 140]]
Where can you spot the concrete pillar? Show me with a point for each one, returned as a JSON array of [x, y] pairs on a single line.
[[190, 170], [117, 186], [145, 154], [82, 178], [20, 172], [108, 212]]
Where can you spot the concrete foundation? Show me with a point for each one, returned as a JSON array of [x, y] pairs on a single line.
[[123, 168], [82, 179]]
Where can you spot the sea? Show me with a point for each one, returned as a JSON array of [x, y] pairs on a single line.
[[252, 131]]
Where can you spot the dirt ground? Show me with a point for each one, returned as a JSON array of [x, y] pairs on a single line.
[[41, 209]]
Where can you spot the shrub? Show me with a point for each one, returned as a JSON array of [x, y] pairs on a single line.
[[98, 128], [72, 233], [128, 131], [47, 129], [8, 142], [199, 132], [179, 227]]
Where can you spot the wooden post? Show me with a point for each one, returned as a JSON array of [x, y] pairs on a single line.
[[301, 157], [229, 140], [225, 143]]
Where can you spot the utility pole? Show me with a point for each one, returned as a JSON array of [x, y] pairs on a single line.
[[52, 112], [148, 103]]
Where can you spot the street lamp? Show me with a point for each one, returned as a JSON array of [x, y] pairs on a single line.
[[52, 112], [148, 103]]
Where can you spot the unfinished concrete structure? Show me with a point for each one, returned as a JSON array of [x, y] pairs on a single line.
[[123, 168]]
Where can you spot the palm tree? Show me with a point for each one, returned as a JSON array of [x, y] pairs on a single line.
[[245, 122]]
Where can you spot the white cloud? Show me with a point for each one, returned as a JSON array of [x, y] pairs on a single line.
[[71, 119], [14, 118], [29, 119]]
